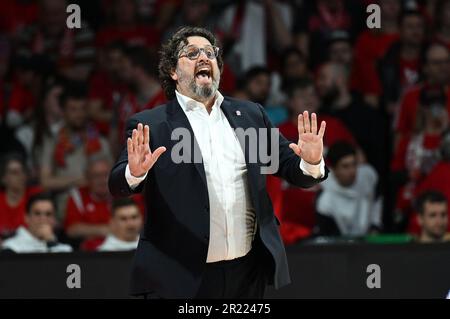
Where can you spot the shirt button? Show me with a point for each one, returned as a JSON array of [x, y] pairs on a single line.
[[206, 238]]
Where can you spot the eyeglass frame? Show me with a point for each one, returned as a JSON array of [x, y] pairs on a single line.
[[216, 51]]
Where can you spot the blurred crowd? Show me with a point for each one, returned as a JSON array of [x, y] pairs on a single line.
[[66, 94]]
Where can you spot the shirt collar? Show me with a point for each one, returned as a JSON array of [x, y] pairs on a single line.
[[189, 104]]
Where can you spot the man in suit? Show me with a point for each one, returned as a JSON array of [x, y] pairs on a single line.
[[210, 230]]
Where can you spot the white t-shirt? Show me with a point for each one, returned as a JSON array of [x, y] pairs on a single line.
[[24, 242], [112, 243]]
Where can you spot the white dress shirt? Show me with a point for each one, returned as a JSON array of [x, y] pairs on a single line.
[[232, 217]]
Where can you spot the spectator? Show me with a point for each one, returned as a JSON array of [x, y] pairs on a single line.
[[439, 176], [366, 125], [14, 195], [340, 49], [88, 208], [71, 50], [64, 158], [320, 18], [144, 91], [293, 68], [248, 28], [433, 217], [417, 154], [5, 57], [257, 86], [27, 82], [371, 45], [108, 85], [399, 68], [442, 22], [194, 13], [11, 114], [38, 235], [436, 71], [126, 223], [347, 204], [298, 223], [46, 122], [303, 97]]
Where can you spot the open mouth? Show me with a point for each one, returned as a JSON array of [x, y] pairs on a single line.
[[203, 73]]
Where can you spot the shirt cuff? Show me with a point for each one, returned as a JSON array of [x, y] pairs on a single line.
[[316, 171], [133, 181]]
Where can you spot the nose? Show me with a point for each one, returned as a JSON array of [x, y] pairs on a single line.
[[202, 55]]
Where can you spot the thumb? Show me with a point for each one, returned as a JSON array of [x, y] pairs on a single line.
[[295, 148], [157, 153], [150, 159]]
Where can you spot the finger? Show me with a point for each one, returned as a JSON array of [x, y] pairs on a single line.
[[130, 148], [323, 125], [295, 148], [146, 135], [300, 126], [140, 134], [314, 123], [134, 138], [306, 122]]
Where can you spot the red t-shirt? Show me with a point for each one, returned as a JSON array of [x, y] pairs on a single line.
[[13, 217], [409, 73], [91, 244], [82, 208], [21, 99], [370, 46], [430, 142], [409, 104]]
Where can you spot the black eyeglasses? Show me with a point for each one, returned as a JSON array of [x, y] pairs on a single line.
[[192, 52]]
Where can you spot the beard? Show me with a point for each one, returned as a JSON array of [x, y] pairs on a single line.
[[200, 92]]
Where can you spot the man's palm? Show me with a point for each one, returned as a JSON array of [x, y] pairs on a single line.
[[140, 158], [310, 142]]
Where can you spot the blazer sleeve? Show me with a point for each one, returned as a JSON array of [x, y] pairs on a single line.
[[118, 185], [289, 162]]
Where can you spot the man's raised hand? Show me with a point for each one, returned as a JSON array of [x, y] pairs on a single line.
[[310, 142], [140, 158]]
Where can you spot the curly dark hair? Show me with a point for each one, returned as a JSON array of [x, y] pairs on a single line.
[[169, 55]]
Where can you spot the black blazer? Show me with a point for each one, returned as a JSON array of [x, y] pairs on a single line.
[[173, 246]]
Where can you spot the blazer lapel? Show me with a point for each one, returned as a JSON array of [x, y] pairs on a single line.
[[178, 119], [238, 119]]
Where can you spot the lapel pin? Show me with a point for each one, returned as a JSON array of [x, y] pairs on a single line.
[[238, 113]]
